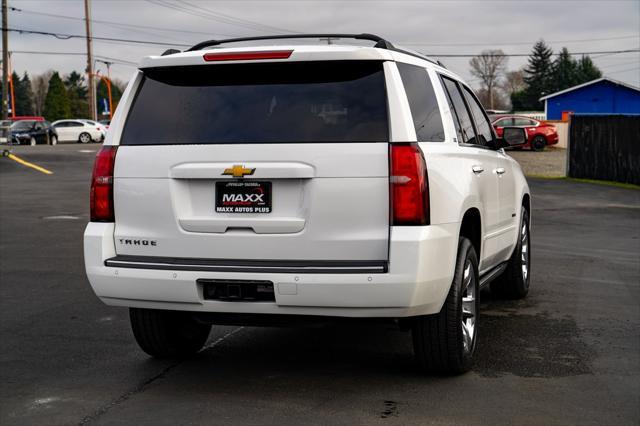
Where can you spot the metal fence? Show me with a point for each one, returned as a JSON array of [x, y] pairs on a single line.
[[605, 147]]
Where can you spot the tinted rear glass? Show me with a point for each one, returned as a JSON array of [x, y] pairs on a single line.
[[336, 101], [423, 103]]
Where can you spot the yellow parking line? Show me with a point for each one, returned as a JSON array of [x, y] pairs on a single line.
[[28, 164]]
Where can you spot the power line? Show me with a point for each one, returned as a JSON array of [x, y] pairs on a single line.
[[62, 36], [516, 43], [119, 24], [47, 53], [441, 55], [240, 20], [466, 55], [135, 27], [201, 12], [117, 61]]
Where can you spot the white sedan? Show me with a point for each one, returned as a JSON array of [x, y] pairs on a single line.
[[78, 130], [99, 125]]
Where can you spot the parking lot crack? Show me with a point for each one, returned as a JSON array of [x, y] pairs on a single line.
[[124, 397], [144, 385]]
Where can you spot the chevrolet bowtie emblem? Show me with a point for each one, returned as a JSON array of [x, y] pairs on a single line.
[[238, 171]]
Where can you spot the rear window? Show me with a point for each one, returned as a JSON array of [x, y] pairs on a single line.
[[330, 101], [422, 102]]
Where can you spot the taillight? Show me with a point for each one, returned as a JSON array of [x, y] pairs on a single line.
[[245, 56], [101, 199], [409, 185]]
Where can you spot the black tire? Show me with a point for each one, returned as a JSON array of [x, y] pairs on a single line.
[[84, 137], [53, 140], [167, 334], [439, 340], [514, 281], [538, 143]]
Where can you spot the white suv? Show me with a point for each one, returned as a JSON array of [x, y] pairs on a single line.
[[247, 184]]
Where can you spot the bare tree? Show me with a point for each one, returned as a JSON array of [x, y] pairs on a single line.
[[514, 82], [500, 99], [488, 66], [40, 86]]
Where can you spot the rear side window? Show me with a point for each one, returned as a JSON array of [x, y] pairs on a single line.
[[465, 130], [423, 103], [504, 122], [329, 101], [482, 122], [524, 122]]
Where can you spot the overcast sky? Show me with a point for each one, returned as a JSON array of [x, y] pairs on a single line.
[[432, 27]]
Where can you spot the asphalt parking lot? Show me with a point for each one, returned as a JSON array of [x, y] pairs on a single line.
[[568, 354]]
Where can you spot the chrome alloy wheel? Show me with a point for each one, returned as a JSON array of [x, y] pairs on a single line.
[[85, 137], [524, 258], [469, 310]]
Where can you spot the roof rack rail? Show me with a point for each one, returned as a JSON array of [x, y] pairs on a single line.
[[380, 42], [170, 52]]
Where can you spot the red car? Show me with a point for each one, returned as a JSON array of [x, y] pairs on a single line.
[[539, 133], [26, 117]]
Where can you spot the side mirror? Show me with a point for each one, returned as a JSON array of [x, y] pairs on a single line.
[[512, 136]]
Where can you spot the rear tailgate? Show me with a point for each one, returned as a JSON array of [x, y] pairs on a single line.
[[310, 139]]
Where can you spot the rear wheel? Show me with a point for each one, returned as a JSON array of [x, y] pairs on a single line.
[[32, 141], [514, 282], [538, 143], [54, 140], [446, 342], [167, 334], [84, 137]]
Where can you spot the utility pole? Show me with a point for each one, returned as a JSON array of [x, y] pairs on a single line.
[[5, 61], [91, 86]]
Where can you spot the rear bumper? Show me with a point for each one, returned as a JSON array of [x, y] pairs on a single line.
[[420, 270]]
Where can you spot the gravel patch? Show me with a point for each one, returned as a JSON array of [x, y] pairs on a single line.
[[552, 162]]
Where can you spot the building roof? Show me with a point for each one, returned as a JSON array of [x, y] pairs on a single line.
[[589, 83]]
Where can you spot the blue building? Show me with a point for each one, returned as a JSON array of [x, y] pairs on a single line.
[[601, 96]]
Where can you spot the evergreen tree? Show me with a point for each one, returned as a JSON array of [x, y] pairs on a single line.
[[538, 76], [25, 96], [77, 91], [519, 101], [587, 70], [565, 72], [56, 104]]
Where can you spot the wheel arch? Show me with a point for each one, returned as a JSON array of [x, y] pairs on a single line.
[[526, 202], [471, 228]]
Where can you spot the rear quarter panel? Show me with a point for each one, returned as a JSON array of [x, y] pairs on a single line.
[[521, 190], [120, 115]]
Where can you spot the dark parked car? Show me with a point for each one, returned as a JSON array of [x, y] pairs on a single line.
[[32, 132]]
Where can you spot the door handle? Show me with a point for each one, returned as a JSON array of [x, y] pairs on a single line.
[[500, 171], [477, 169]]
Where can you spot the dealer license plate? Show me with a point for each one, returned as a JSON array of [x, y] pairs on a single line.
[[243, 197]]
